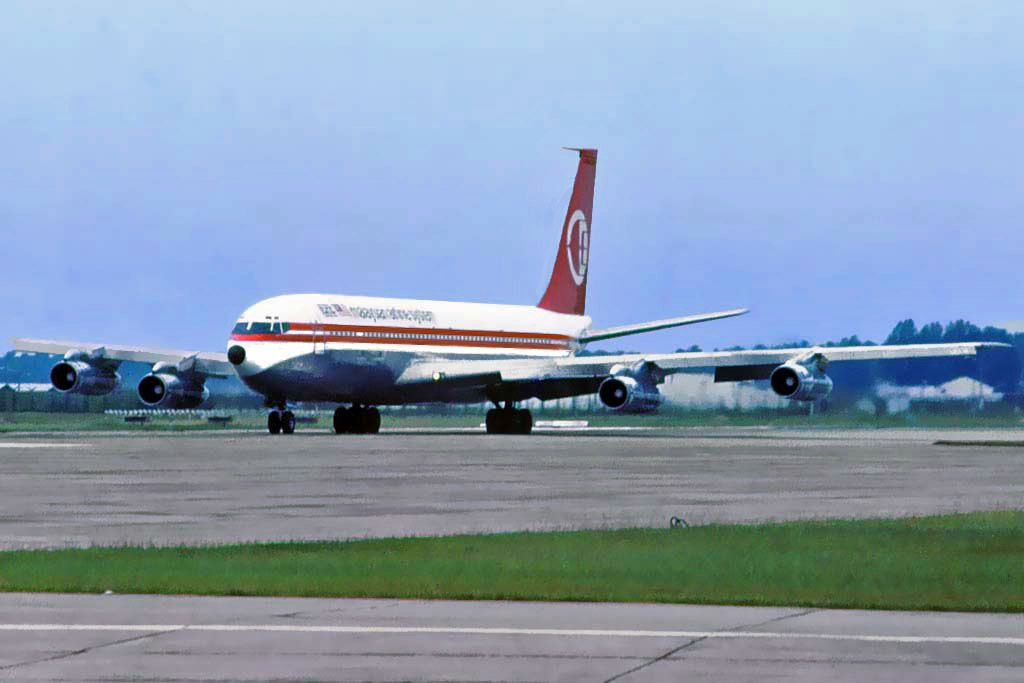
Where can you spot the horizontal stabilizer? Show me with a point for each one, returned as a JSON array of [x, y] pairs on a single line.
[[626, 330]]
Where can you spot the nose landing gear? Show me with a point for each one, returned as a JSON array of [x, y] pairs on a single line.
[[356, 420]]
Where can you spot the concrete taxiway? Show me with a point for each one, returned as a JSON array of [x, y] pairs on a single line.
[[89, 489], [74, 638]]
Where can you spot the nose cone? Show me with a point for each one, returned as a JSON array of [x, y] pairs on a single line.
[[236, 354], [244, 357]]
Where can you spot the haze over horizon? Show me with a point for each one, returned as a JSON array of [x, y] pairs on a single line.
[[835, 169]]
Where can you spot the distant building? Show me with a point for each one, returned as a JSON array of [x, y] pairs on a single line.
[[700, 391], [963, 390]]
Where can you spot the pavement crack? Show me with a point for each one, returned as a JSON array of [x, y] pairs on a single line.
[[289, 615], [657, 659], [86, 650], [694, 641], [773, 620]]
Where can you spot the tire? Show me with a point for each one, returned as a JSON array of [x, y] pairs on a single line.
[[356, 421], [274, 422], [508, 421], [524, 421], [342, 420], [288, 422], [371, 421], [493, 421]]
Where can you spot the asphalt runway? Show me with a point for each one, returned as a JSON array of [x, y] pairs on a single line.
[[87, 637], [86, 489]]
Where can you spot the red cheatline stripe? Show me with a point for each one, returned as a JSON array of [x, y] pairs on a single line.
[[329, 327], [371, 339], [375, 334]]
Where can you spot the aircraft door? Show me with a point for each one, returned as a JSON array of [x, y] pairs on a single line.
[[319, 336]]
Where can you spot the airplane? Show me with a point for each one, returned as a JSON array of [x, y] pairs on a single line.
[[362, 352]]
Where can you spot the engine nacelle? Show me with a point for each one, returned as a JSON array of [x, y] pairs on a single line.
[[79, 377], [161, 390], [798, 383], [628, 395]]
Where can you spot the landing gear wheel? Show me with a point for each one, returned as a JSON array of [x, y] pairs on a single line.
[[342, 420], [274, 422], [288, 422], [509, 421], [356, 420], [524, 421], [371, 421], [493, 421]]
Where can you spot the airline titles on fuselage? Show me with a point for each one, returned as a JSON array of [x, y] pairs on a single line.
[[376, 314]]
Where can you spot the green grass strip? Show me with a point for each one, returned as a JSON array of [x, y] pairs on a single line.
[[954, 562]]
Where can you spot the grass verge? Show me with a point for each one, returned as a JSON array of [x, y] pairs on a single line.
[[955, 562]]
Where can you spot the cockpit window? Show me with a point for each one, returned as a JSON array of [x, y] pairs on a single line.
[[261, 328]]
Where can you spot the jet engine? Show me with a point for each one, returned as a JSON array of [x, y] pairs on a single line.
[[797, 382], [623, 393], [72, 376], [164, 388]]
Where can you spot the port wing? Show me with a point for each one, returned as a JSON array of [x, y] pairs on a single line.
[[209, 363]]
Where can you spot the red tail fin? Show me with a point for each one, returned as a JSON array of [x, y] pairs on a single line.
[[567, 289]]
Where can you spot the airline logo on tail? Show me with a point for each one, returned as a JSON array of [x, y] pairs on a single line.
[[567, 288], [578, 263]]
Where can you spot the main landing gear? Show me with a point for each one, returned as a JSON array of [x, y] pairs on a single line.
[[356, 420], [281, 422], [509, 420]]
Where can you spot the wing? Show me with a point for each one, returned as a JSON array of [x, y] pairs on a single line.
[[559, 377], [208, 363], [669, 363]]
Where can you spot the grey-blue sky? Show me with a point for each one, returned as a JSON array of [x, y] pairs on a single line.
[[833, 166]]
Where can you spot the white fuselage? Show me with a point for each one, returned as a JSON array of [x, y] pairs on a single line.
[[324, 347]]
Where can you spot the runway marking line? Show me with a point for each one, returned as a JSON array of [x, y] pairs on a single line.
[[4, 444], [483, 631], [480, 430]]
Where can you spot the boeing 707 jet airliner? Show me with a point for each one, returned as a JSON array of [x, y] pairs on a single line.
[[362, 352]]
